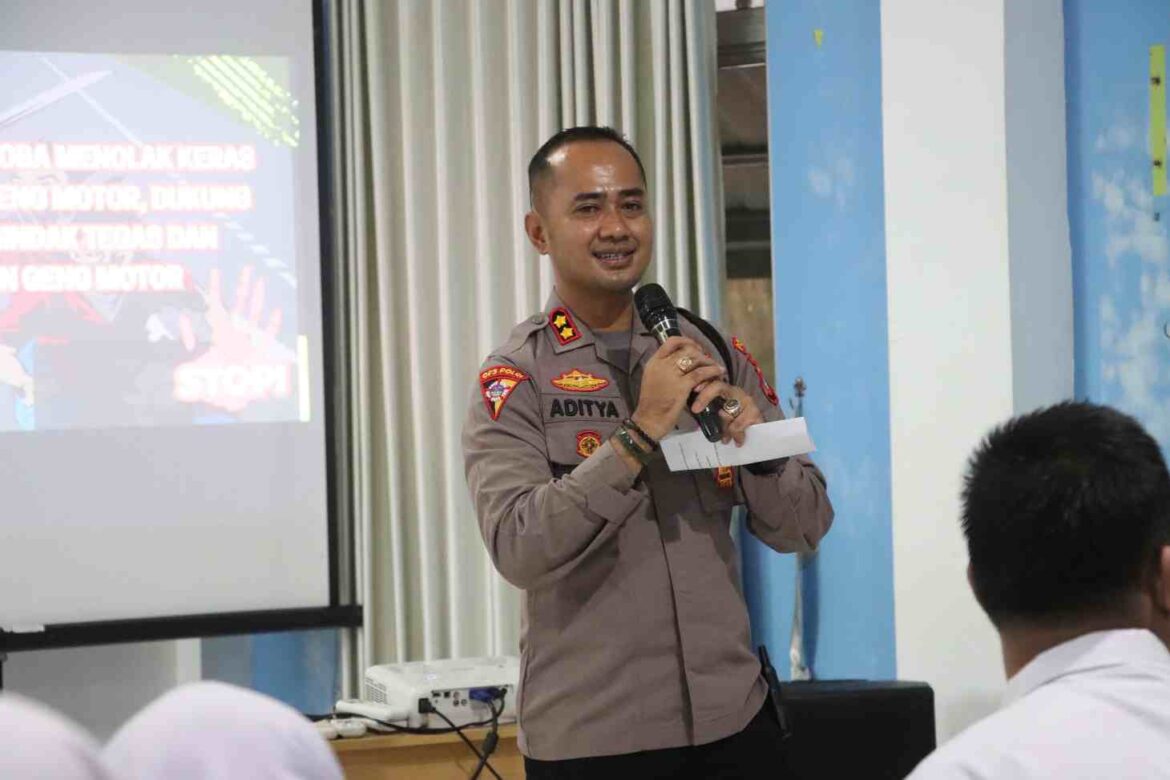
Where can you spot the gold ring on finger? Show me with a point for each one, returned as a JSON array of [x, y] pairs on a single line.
[[685, 363], [732, 407]]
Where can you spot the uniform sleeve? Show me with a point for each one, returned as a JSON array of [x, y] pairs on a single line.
[[789, 510], [538, 529]]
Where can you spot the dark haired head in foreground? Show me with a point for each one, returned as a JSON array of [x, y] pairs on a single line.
[[1067, 517]]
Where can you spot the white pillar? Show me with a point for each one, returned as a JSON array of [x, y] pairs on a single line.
[[1038, 229], [969, 249]]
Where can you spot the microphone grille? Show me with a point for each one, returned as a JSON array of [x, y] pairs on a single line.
[[651, 299]]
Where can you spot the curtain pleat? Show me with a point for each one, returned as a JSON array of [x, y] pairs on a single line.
[[441, 105], [627, 69], [705, 167], [676, 70], [606, 62]]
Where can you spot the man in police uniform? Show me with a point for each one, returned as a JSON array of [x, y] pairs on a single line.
[[635, 649]]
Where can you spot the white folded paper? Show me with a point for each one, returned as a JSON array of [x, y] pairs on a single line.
[[764, 441]]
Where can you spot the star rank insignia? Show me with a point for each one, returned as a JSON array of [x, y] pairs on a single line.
[[563, 326], [497, 383]]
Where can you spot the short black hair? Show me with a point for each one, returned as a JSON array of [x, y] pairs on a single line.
[[1064, 510], [540, 163]]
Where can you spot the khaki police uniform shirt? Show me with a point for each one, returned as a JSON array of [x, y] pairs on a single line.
[[635, 633]]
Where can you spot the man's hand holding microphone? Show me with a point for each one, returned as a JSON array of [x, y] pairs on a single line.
[[680, 376]]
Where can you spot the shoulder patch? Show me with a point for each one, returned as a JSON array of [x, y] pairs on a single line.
[[578, 381], [563, 326], [765, 388], [587, 443], [496, 383]]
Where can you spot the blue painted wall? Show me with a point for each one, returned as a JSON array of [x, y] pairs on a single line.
[[301, 668], [1121, 256], [829, 272]]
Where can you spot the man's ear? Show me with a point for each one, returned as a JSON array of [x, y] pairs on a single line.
[[970, 577], [534, 229], [1161, 582]]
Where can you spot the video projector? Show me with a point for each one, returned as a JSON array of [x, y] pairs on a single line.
[[460, 688]]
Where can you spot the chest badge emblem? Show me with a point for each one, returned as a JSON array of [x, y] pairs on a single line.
[[578, 381], [587, 443]]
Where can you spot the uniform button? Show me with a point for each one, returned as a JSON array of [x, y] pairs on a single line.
[[537, 319]]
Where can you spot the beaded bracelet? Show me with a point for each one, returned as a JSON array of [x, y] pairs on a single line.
[[627, 441], [633, 426]]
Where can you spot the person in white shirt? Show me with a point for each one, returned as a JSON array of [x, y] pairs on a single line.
[[37, 743], [214, 731], [1066, 513]]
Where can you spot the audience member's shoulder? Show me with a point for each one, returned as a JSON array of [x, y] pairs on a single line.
[[38, 743], [1068, 731], [974, 753], [213, 730]]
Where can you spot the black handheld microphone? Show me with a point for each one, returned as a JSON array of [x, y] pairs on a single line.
[[661, 318]]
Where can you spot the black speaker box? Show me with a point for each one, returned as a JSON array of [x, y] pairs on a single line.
[[857, 729]]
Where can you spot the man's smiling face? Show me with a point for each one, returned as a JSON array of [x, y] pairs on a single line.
[[594, 219]]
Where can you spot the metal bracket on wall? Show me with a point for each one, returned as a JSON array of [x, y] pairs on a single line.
[[799, 387], [800, 664]]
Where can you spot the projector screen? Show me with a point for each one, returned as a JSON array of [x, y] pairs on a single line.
[[161, 354]]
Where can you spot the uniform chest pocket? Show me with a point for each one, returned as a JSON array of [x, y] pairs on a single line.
[[569, 443], [576, 424]]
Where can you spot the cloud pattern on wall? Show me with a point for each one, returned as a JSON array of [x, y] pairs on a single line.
[[1134, 301], [834, 179]]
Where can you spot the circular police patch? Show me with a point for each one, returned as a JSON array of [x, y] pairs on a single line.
[[587, 443]]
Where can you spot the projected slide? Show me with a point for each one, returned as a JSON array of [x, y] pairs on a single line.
[[148, 258]]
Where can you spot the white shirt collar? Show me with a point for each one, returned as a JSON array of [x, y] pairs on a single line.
[[1097, 650]]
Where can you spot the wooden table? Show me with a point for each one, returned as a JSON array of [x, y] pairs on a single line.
[[426, 757]]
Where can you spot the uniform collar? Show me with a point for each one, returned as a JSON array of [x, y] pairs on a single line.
[[567, 332], [1098, 650]]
